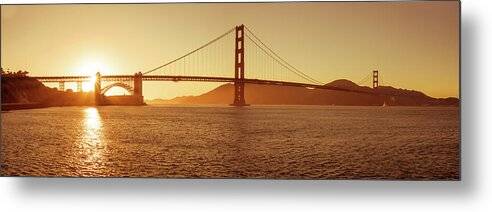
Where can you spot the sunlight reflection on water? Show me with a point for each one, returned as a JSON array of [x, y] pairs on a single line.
[[91, 142]]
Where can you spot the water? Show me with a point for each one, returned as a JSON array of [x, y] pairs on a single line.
[[284, 142]]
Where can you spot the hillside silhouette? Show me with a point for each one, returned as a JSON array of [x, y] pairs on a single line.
[[24, 92], [284, 95]]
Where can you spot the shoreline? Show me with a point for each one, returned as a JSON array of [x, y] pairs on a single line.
[[22, 106], [35, 105]]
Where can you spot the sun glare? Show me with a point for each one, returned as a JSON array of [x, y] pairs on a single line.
[[89, 68], [89, 86]]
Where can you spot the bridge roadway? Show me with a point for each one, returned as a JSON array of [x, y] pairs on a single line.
[[119, 78]]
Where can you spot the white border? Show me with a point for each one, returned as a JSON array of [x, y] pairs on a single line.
[[473, 193]]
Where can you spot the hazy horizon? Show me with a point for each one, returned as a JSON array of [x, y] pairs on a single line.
[[415, 45]]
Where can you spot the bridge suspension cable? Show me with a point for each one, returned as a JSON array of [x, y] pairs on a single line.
[[199, 48], [277, 58], [365, 79], [272, 64]]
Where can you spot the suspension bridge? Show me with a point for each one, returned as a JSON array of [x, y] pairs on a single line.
[[211, 62]]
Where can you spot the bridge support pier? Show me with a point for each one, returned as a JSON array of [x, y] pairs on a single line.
[[137, 88], [61, 86], [97, 90], [239, 69], [79, 86]]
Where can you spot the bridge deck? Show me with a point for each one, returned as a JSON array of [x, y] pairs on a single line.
[[192, 78]]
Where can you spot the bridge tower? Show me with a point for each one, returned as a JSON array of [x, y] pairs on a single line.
[[239, 68], [375, 79], [137, 88], [97, 90]]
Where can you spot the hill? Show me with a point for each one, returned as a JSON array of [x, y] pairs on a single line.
[[283, 95]]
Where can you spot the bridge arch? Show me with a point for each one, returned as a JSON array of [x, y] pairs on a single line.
[[125, 86]]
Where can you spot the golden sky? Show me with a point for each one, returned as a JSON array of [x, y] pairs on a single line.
[[415, 45]]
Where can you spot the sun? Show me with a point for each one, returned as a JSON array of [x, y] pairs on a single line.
[[90, 67]]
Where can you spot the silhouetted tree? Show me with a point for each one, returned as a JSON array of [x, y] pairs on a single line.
[[18, 74]]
